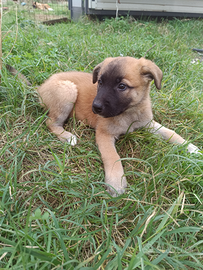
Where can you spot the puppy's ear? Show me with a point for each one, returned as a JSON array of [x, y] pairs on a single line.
[[96, 72], [152, 72]]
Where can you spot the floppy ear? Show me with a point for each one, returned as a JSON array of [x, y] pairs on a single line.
[[152, 72], [96, 72]]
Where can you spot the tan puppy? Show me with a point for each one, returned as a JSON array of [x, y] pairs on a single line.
[[41, 6], [114, 101]]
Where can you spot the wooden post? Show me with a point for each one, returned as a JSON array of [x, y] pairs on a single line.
[[0, 38]]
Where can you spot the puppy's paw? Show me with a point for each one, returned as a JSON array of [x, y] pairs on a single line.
[[191, 148], [68, 137], [117, 187], [72, 140], [116, 192]]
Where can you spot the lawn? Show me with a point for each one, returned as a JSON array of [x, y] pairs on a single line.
[[54, 210]]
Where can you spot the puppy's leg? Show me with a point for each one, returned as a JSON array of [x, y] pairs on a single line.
[[55, 124], [114, 174], [171, 136], [59, 98]]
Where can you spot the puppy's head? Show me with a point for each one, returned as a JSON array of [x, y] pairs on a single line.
[[123, 82]]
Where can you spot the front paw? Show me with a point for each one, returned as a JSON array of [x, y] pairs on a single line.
[[193, 149], [116, 187]]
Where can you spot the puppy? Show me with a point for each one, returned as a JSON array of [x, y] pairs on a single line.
[[114, 100], [41, 6]]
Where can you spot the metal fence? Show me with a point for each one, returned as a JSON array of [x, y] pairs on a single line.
[[43, 11]]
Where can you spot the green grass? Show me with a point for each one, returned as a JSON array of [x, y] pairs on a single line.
[[54, 210]]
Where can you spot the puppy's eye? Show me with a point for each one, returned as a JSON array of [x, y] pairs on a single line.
[[122, 87], [99, 82]]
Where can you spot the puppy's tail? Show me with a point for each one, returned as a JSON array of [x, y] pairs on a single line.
[[14, 72]]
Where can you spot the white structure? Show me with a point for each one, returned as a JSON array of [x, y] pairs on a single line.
[[170, 8]]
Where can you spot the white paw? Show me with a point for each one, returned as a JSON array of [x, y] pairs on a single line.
[[68, 137], [193, 149], [72, 140]]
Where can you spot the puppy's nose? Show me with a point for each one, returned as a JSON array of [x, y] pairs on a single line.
[[97, 107]]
